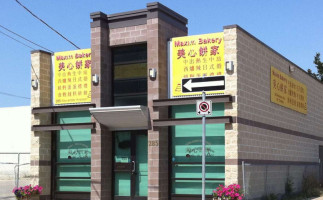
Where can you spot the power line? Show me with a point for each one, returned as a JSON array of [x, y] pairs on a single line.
[[24, 45], [16, 40], [34, 71], [25, 39], [13, 95], [46, 24]]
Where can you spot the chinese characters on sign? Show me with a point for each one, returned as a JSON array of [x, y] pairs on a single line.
[[195, 56], [288, 92], [72, 77]]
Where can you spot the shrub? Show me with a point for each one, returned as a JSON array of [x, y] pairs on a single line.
[[271, 196], [310, 186], [231, 192], [289, 186]]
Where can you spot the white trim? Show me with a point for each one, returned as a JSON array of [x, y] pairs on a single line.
[[52, 84], [122, 117], [170, 68]]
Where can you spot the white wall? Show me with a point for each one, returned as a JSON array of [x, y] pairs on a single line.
[[15, 129]]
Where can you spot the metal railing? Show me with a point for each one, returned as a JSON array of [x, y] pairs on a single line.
[[14, 172], [264, 179]]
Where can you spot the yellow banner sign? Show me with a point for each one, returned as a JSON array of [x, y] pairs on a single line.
[[288, 92], [72, 77], [193, 57]]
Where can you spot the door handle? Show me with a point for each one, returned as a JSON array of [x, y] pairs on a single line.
[[134, 167]]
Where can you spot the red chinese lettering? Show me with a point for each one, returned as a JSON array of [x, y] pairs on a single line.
[[87, 64], [78, 64], [181, 53], [70, 66], [203, 51], [192, 53], [214, 50], [61, 66]]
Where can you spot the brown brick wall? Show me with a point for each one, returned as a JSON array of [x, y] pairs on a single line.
[[101, 138], [254, 62], [265, 142], [158, 32], [128, 35]]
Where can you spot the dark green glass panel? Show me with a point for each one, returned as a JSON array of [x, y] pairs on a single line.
[[75, 185], [74, 117], [73, 146], [130, 100], [122, 184], [195, 171], [187, 148], [122, 150], [126, 71], [130, 54], [141, 165], [194, 186], [130, 75], [73, 171], [122, 147], [189, 111]]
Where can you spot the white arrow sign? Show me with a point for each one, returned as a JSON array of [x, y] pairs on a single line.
[[189, 85]]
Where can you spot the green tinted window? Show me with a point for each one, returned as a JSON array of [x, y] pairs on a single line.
[[187, 152], [73, 154]]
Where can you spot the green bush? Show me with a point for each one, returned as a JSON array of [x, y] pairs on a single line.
[[292, 197], [271, 196], [289, 186], [310, 186]]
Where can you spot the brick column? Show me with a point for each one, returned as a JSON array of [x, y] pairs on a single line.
[[158, 33], [101, 139], [232, 168], [40, 154]]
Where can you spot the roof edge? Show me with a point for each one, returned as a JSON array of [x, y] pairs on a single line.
[[261, 42]]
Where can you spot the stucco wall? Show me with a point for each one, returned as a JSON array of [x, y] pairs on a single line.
[[15, 127]]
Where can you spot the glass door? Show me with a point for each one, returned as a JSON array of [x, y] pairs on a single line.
[[130, 165]]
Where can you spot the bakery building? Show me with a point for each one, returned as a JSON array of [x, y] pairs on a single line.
[[119, 121]]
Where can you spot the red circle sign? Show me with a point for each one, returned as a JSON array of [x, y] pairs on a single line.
[[204, 106]]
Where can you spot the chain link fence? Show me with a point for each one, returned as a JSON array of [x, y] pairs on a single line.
[[261, 180], [14, 171]]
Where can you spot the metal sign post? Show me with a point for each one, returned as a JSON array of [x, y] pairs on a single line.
[[203, 108], [203, 151]]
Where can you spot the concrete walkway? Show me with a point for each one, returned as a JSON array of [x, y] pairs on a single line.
[[317, 198]]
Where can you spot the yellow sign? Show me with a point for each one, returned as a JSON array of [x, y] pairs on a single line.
[[72, 77], [288, 92], [193, 57]]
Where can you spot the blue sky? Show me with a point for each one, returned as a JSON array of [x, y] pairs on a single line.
[[294, 28]]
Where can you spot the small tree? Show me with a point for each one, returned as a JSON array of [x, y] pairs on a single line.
[[319, 67]]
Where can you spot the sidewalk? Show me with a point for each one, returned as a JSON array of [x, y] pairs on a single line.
[[317, 198]]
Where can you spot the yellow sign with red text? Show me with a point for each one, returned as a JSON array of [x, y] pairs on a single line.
[[193, 57], [287, 91], [72, 78]]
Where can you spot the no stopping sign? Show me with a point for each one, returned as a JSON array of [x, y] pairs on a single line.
[[204, 107]]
